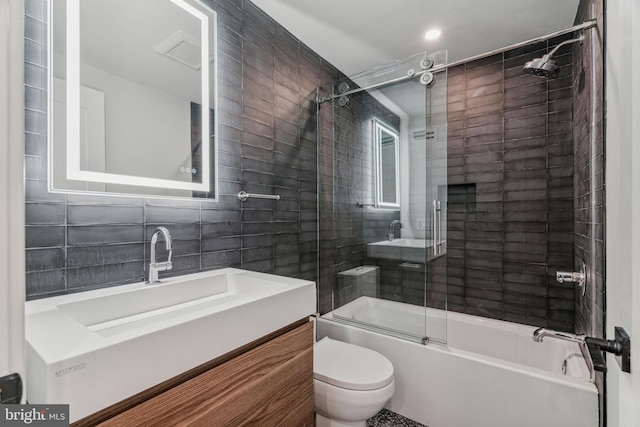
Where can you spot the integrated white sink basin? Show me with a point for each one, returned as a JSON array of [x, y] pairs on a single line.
[[408, 250], [405, 243], [93, 349]]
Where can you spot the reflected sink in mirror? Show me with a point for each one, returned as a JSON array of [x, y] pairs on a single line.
[[93, 349], [408, 250]]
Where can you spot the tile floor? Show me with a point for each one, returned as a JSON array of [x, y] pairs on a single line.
[[386, 418]]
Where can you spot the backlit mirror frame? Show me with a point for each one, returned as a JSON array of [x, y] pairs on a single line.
[[74, 171], [379, 128]]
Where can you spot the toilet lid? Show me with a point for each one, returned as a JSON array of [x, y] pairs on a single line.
[[349, 366]]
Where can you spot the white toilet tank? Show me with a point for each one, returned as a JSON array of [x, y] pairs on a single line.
[[357, 282]]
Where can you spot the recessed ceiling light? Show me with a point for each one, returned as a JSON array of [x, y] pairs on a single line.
[[432, 34]]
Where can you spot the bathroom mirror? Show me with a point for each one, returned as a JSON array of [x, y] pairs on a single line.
[[133, 98], [387, 160]]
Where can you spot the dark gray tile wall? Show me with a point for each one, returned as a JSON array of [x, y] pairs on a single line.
[[510, 167], [589, 221], [588, 149], [267, 143]]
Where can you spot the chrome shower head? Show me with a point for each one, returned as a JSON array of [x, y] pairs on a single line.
[[542, 67], [545, 66]]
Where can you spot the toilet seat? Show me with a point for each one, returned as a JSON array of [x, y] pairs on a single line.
[[349, 366]]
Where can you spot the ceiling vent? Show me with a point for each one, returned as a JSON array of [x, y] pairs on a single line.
[[181, 47]]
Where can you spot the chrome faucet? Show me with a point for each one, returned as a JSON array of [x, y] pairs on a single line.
[[390, 234], [154, 266], [540, 333]]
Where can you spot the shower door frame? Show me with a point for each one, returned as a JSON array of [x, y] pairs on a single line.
[[412, 69]]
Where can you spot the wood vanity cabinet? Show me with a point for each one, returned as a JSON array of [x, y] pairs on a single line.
[[270, 384]]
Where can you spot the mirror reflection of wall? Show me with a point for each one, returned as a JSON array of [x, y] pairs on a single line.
[[149, 74]]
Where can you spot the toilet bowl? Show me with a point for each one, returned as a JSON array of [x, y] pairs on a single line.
[[350, 383]]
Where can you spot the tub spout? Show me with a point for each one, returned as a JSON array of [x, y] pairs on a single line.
[[540, 333]]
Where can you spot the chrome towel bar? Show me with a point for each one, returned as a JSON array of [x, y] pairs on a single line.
[[243, 195]]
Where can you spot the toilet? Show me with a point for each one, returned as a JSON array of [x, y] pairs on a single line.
[[350, 383]]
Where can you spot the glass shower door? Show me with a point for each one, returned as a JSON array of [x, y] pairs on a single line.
[[388, 201]]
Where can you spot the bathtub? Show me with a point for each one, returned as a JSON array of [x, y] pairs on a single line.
[[490, 373]]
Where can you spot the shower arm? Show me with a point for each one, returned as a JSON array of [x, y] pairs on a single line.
[[566, 42]]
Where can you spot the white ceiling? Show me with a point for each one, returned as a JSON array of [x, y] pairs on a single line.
[[357, 35]]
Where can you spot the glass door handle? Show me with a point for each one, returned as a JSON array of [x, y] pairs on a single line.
[[437, 227]]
